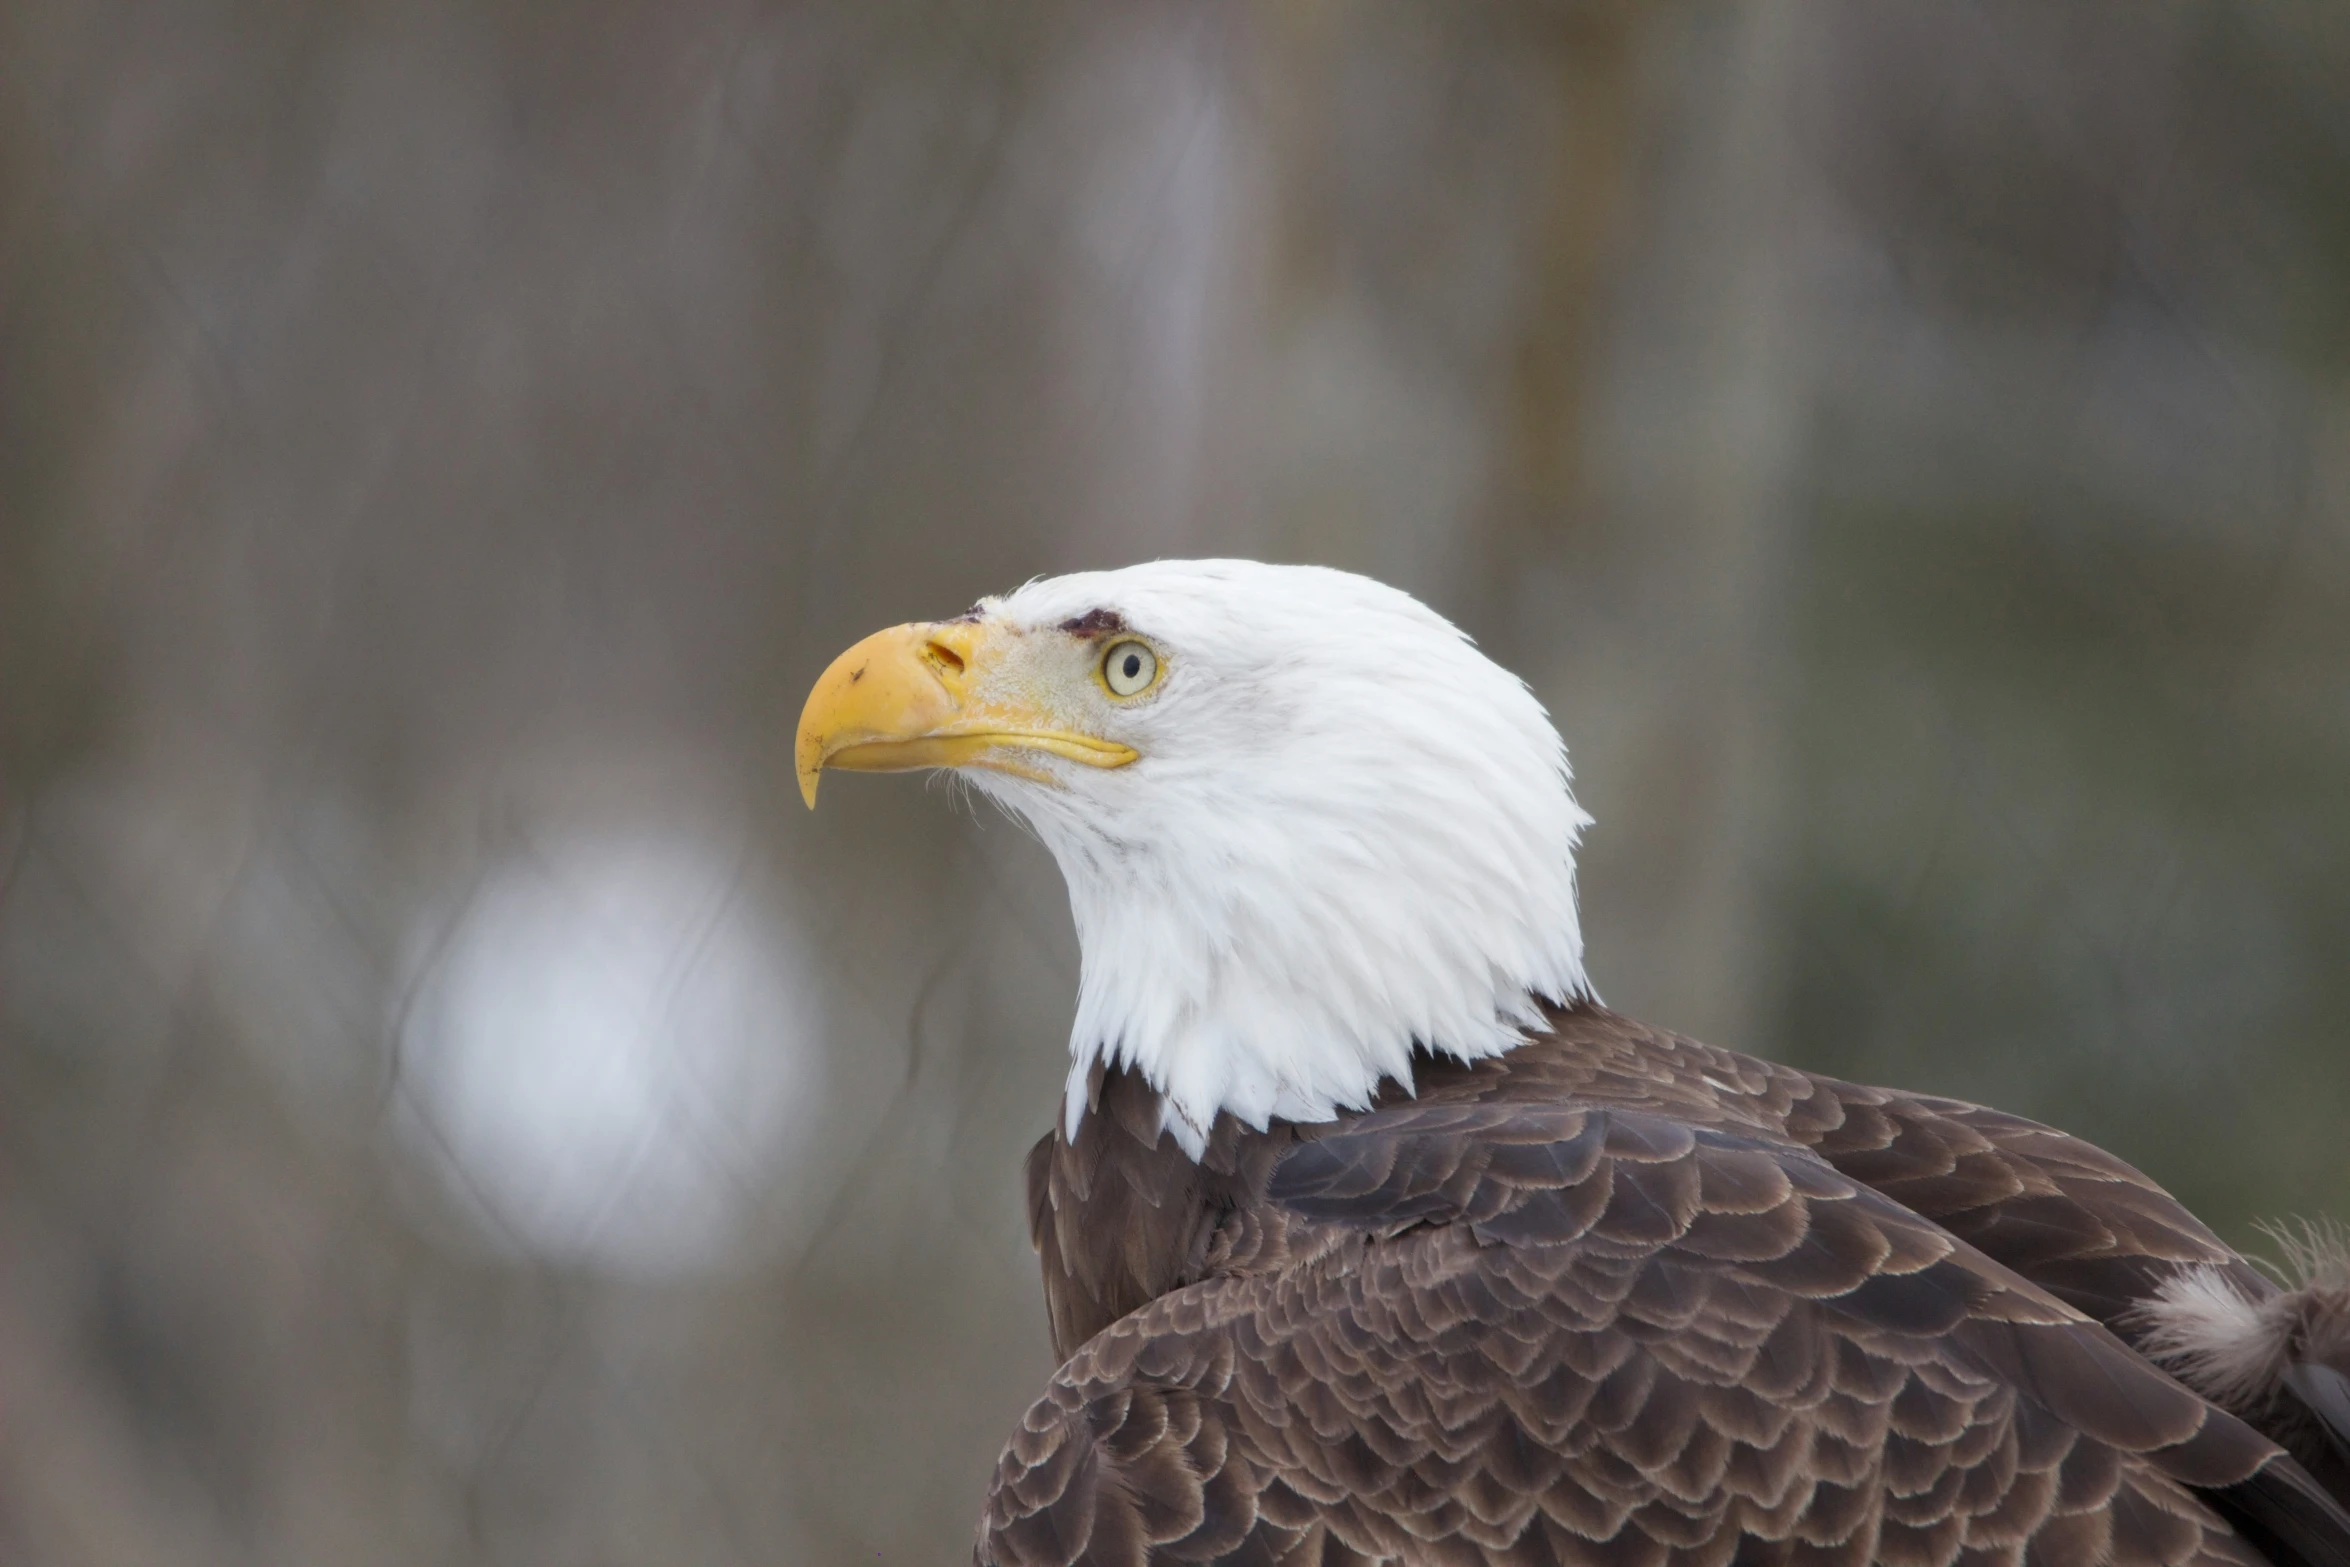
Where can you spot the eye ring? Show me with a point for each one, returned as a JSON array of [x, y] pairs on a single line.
[[1130, 667]]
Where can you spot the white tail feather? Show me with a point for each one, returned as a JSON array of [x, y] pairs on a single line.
[[2237, 1351]]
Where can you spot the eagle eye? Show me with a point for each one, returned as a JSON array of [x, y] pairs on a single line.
[[1129, 667]]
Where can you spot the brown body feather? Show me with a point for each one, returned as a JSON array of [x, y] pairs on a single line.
[[1618, 1297]]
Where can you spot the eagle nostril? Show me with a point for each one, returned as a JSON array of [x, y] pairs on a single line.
[[942, 658]]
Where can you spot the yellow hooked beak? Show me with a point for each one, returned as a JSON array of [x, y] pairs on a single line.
[[935, 694]]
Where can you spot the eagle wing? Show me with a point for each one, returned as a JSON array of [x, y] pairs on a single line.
[[2081, 1223], [2069, 1216], [1541, 1333], [2065, 1214], [2101, 1236]]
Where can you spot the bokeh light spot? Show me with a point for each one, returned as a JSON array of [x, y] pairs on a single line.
[[608, 1058]]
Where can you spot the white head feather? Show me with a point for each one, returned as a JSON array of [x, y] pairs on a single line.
[[1348, 833]]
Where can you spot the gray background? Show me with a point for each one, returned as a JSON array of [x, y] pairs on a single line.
[[455, 1106]]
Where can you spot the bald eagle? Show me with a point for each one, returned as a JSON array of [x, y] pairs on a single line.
[[1370, 1236]]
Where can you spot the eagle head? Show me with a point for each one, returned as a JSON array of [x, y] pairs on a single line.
[[1305, 825]]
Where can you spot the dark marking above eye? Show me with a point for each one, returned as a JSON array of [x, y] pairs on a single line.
[[971, 614], [1095, 623]]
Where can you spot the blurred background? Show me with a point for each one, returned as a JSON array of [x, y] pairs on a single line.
[[456, 1106]]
